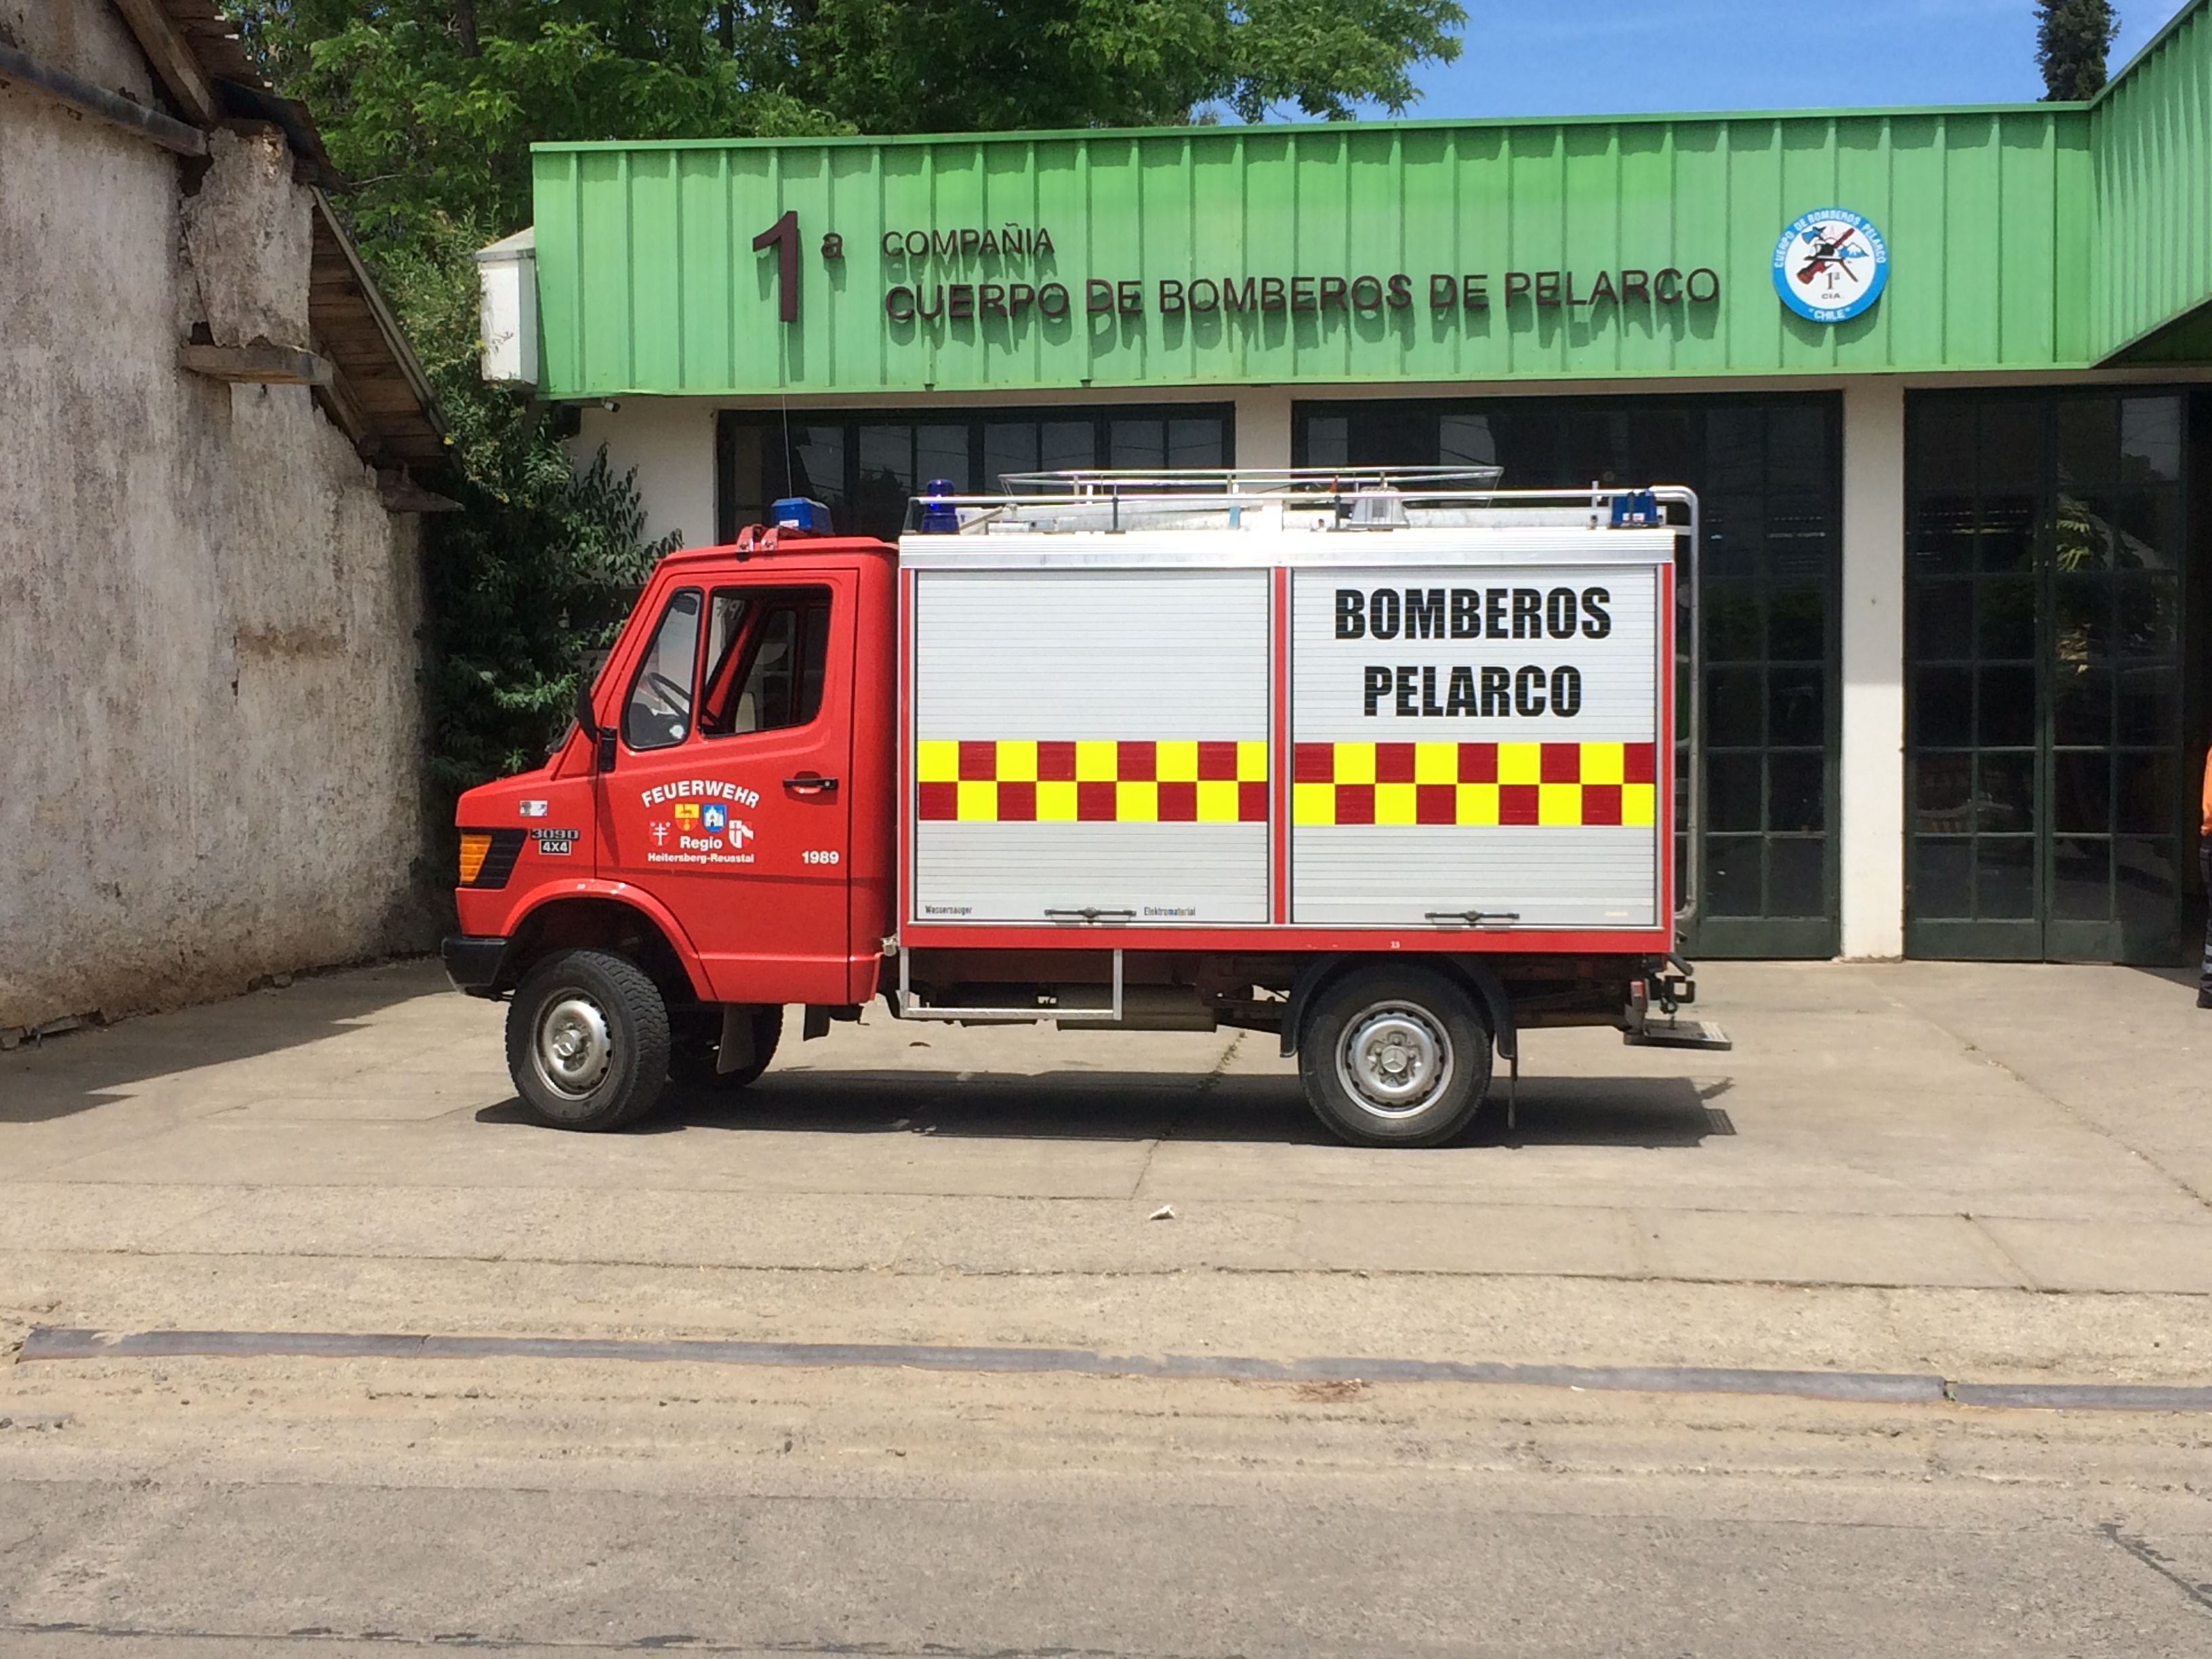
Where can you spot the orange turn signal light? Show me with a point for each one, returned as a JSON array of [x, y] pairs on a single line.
[[475, 844]]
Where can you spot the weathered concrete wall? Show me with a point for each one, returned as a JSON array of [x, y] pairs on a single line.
[[212, 765]]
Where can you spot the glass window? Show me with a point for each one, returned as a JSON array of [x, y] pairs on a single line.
[[1138, 443], [1194, 443], [817, 466], [1465, 441], [770, 674], [886, 482], [1067, 445], [1008, 447], [2150, 439], [2086, 444], [725, 616], [941, 451], [2045, 761], [1328, 440], [866, 468], [657, 712]]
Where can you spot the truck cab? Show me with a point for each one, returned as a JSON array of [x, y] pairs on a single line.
[[718, 818], [1111, 752]]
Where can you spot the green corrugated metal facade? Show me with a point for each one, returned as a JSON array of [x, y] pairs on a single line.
[[2151, 134], [2040, 236]]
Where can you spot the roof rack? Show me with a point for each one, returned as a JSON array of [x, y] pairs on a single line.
[[1113, 501], [1248, 481]]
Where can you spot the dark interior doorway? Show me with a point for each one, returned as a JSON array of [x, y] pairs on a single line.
[[2052, 789]]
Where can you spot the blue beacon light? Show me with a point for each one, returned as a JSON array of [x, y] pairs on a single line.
[[938, 516], [797, 515]]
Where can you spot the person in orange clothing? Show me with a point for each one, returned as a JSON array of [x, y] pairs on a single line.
[[2205, 865]]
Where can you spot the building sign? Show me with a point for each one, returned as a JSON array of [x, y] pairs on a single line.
[[931, 277], [1335, 254], [1830, 265]]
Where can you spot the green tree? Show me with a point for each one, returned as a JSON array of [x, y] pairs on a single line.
[[969, 65], [536, 572], [2072, 39], [430, 106]]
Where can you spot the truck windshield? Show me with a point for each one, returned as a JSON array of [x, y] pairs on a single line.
[[658, 711]]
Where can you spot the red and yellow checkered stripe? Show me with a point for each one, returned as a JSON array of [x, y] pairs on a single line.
[[1474, 783], [1024, 780]]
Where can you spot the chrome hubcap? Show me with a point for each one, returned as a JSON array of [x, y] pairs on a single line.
[[573, 1050], [1394, 1060]]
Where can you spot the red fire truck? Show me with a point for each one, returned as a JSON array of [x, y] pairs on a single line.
[[1380, 762]]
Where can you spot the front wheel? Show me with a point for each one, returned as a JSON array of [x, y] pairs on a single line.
[[1394, 1057], [588, 1040]]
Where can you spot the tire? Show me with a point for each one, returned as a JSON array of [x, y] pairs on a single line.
[[588, 1040], [692, 1061], [1393, 1056]]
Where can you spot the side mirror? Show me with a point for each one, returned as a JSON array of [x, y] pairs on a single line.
[[601, 737]]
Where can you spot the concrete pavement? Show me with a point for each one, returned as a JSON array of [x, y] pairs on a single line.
[[1986, 1170], [1987, 1173]]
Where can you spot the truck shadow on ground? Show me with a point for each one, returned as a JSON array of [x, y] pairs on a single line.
[[1670, 1112]]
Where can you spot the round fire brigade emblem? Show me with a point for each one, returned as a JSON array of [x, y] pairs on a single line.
[[1830, 265]]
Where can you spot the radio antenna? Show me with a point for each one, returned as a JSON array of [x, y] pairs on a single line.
[[790, 479]]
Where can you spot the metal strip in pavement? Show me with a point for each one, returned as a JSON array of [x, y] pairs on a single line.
[[50, 1342], [1882, 1388], [2089, 1397]]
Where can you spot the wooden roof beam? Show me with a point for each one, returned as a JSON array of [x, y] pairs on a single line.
[[265, 365], [336, 398], [173, 60]]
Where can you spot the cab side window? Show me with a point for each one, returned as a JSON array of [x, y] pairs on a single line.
[[657, 714], [770, 675]]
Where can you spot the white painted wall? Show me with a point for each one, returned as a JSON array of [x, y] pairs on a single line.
[[214, 761], [670, 444], [1872, 815], [1263, 426]]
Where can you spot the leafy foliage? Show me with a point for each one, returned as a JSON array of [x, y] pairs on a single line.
[[2072, 39], [517, 633], [429, 107], [536, 572], [970, 65]]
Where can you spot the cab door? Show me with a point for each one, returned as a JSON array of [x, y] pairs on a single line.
[[729, 800]]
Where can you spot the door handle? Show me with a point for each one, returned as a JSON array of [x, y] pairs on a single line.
[[810, 783]]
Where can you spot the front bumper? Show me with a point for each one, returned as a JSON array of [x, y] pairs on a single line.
[[472, 963]]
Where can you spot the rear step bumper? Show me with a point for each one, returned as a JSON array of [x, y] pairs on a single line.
[[1678, 1034]]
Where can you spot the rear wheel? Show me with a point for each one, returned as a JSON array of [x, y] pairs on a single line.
[[694, 1059], [588, 1040], [1395, 1056]]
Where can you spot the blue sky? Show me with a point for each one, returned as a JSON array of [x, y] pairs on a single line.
[[1605, 57]]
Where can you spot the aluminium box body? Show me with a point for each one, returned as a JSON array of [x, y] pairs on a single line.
[[1288, 739]]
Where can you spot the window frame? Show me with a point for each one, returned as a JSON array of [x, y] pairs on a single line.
[[745, 648], [645, 658]]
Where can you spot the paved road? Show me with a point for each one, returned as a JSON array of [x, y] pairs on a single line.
[[1911, 1169], [291, 1509]]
